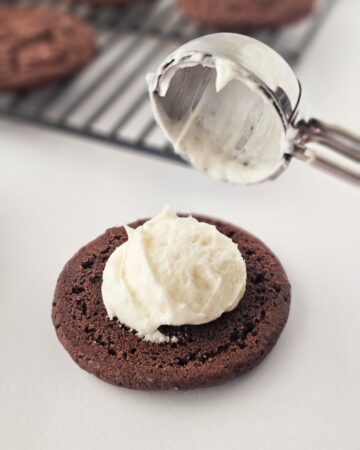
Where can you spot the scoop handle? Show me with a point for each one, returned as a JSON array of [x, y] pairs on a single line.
[[329, 148]]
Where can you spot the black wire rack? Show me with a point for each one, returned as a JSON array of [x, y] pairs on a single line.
[[108, 100]]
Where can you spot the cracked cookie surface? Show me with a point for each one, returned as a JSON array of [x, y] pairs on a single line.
[[39, 45]]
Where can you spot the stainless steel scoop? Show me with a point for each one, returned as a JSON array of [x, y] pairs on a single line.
[[233, 107]]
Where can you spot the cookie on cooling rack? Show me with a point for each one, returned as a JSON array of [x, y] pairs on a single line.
[[237, 14], [194, 355], [39, 45]]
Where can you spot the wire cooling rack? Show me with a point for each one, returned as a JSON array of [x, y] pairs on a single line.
[[108, 100]]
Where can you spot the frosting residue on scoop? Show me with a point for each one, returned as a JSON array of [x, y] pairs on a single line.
[[172, 271], [217, 113]]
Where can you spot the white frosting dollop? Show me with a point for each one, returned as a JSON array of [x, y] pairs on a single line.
[[172, 271]]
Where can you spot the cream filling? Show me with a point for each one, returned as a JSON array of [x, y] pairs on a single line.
[[172, 271]]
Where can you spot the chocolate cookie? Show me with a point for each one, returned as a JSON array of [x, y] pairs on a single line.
[[204, 354], [39, 45], [233, 14]]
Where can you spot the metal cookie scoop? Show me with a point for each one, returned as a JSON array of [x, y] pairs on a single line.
[[231, 106]]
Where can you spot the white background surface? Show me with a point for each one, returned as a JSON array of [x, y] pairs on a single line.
[[58, 192]]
